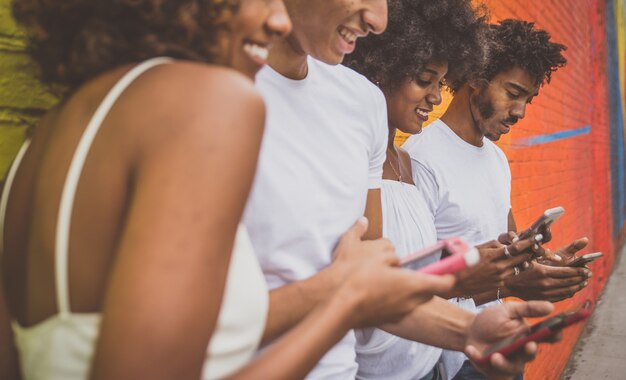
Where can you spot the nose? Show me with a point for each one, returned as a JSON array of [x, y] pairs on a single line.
[[434, 96], [519, 110], [375, 16], [278, 23]]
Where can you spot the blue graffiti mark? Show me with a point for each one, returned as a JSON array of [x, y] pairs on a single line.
[[544, 139]]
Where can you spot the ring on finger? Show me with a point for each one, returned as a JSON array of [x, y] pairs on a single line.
[[515, 270], [506, 252]]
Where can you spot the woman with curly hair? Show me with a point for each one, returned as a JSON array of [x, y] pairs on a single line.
[[428, 44], [123, 256]]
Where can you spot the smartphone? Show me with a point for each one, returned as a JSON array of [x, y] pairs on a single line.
[[583, 260], [460, 256], [412, 261], [547, 218], [538, 333]]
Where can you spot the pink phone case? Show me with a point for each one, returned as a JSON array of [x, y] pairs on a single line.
[[422, 253], [462, 255]]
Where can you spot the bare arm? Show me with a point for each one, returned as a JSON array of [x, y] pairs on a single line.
[[9, 364], [511, 221], [299, 350], [291, 303], [374, 212], [436, 323], [373, 293], [165, 289]]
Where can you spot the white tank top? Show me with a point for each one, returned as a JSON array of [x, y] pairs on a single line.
[[61, 347]]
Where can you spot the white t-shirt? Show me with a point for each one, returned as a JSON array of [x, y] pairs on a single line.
[[467, 188], [409, 225], [323, 148]]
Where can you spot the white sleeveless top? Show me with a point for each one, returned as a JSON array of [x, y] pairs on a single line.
[[61, 347], [410, 226]]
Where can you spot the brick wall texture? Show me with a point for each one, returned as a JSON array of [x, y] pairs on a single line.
[[568, 151]]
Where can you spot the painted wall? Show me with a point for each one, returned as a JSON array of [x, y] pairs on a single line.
[[22, 99], [568, 151]]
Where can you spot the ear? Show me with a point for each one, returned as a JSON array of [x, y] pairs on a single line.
[[477, 84]]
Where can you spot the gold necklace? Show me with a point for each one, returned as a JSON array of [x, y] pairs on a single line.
[[394, 169]]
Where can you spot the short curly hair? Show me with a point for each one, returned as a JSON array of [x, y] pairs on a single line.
[[75, 40], [422, 32], [514, 42]]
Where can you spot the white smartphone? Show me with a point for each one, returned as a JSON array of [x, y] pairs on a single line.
[[547, 218], [583, 260]]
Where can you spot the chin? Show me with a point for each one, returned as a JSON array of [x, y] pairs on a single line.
[[493, 137], [330, 58]]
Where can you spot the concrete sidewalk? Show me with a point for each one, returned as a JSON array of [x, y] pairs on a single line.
[[601, 349]]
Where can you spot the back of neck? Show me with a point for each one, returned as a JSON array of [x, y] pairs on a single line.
[[459, 118]]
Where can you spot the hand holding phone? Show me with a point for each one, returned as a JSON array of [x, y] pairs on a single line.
[[461, 256], [539, 332], [583, 260], [545, 220]]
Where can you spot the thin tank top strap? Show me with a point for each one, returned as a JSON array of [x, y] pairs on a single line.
[[73, 175], [7, 189]]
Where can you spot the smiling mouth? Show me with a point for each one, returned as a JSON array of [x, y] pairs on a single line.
[[347, 39], [347, 35], [422, 113], [258, 53]]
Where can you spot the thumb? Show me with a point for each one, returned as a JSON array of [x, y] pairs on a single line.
[[508, 238], [358, 229], [576, 245]]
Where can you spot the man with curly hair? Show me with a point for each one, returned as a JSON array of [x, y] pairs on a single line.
[[465, 176]]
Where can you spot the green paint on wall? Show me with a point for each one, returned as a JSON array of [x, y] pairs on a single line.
[[22, 97]]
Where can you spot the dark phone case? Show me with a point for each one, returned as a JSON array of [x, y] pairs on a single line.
[[560, 321]]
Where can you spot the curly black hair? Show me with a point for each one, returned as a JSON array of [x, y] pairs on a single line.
[[514, 42], [422, 32], [75, 40]]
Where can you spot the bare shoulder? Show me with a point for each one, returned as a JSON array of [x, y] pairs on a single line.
[[197, 94]]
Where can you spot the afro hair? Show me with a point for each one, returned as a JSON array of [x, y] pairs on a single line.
[[422, 32], [75, 40], [518, 43]]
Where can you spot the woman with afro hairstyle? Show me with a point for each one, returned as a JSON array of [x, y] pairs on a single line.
[[427, 45], [123, 256]]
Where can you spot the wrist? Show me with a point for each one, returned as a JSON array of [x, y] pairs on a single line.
[[505, 292], [326, 283], [346, 303], [469, 323]]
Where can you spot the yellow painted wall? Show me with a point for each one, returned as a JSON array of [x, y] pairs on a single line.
[[22, 98]]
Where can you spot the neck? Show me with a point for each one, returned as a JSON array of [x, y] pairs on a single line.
[[460, 119], [289, 60], [392, 137]]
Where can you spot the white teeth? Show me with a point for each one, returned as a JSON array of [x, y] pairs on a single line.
[[421, 113], [347, 35], [257, 51]]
